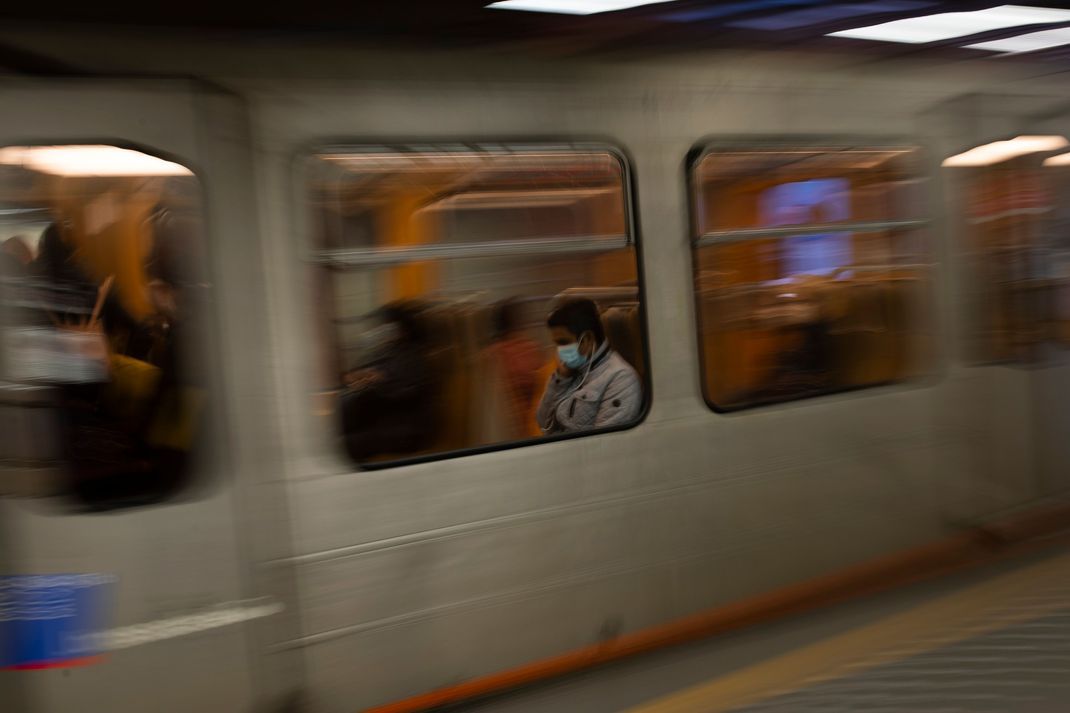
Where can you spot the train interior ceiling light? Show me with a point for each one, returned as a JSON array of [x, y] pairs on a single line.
[[999, 151], [949, 25], [572, 7], [83, 161], [1062, 159]]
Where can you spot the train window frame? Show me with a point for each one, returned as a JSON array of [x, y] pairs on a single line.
[[203, 472], [925, 221], [310, 258]]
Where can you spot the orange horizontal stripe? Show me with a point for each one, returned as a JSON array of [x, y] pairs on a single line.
[[977, 546], [42, 665]]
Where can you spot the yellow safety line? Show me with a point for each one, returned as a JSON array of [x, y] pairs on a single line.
[[937, 623]]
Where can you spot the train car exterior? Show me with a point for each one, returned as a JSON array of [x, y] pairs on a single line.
[[395, 580]]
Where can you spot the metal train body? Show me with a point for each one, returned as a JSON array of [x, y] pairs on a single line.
[[399, 580]]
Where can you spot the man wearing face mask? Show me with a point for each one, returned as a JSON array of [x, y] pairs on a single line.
[[593, 386]]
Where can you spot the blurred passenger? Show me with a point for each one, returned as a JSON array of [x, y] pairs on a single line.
[[593, 386], [131, 441], [16, 256], [516, 358], [803, 364], [71, 293], [54, 255], [99, 446], [390, 405], [175, 385]]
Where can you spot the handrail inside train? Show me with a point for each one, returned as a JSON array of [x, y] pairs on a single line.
[[715, 237], [395, 255]]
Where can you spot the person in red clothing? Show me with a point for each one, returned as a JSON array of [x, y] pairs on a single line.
[[518, 360]]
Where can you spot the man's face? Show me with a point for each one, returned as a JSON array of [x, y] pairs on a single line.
[[562, 336]]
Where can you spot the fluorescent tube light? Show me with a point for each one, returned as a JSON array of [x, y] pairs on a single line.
[[571, 7], [948, 25], [1030, 42]]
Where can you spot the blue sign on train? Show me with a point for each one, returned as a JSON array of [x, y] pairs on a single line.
[[52, 620]]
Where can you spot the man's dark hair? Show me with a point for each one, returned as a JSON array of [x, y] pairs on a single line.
[[578, 316]]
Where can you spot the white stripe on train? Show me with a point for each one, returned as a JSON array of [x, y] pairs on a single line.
[[218, 616]]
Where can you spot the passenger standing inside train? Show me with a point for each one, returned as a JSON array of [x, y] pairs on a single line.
[[516, 359], [593, 386]]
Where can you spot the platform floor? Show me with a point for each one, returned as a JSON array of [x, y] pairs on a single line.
[[991, 640]]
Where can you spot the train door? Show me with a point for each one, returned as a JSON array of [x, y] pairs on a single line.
[[122, 584], [999, 211], [1051, 378]]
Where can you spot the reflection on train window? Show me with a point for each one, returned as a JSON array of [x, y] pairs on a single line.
[[102, 295], [810, 270], [1018, 257], [440, 267]]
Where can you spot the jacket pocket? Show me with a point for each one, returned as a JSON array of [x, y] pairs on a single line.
[[582, 409]]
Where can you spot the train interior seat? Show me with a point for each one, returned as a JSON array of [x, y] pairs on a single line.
[[624, 332]]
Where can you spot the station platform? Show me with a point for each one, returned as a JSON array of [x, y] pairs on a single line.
[[994, 639]]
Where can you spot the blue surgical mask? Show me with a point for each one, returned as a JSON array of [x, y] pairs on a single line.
[[570, 356]]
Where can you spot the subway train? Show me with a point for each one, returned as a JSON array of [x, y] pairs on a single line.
[[275, 333]]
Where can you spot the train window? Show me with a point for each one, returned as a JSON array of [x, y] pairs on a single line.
[[440, 267], [810, 269], [102, 298], [1017, 256]]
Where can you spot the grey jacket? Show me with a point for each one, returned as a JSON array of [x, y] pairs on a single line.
[[610, 394]]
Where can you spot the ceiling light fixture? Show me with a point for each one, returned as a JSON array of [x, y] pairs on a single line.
[[571, 7], [90, 161], [1062, 159], [999, 151], [948, 25], [1030, 42]]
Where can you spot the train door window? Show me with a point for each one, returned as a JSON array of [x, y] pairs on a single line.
[[439, 267], [102, 294], [810, 269], [1017, 256]]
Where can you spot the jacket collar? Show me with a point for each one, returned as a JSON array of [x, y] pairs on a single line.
[[600, 354]]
